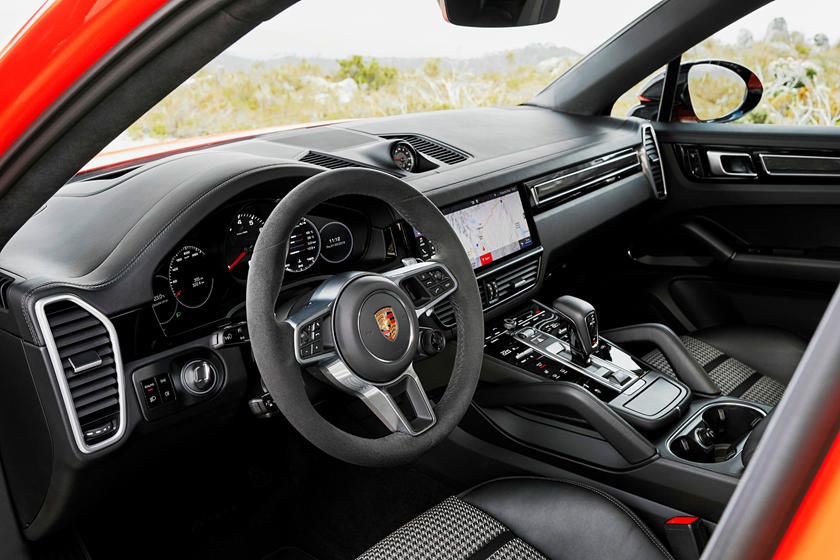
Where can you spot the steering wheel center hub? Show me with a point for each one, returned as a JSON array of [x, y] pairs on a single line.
[[376, 328]]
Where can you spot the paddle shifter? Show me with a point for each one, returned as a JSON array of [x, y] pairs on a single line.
[[583, 326]]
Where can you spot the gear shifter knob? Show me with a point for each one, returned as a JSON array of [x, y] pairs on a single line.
[[583, 327]]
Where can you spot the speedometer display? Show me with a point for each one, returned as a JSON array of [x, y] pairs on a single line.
[[241, 237], [304, 246], [190, 277]]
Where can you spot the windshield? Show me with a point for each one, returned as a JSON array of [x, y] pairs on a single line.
[[324, 60]]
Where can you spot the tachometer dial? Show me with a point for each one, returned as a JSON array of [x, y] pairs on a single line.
[[336, 242], [304, 246], [163, 304], [239, 243], [190, 277], [404, 156]]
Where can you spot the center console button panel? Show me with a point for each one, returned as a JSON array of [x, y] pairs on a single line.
[[537, 340]]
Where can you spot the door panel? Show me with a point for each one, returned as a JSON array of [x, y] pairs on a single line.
[[749, 248]]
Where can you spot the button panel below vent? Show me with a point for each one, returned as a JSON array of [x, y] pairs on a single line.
[[84, 352], [497, 287]]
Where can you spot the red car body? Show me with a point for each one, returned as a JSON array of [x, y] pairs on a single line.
[[66, 37]]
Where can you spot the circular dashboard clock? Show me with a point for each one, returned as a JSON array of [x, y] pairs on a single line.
[[404, 156], [336, 242]]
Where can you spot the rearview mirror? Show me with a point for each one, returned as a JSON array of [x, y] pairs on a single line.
[[706, 91], [498, 13]]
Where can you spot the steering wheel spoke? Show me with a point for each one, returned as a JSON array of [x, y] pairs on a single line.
[[401, 405], [428, 283]]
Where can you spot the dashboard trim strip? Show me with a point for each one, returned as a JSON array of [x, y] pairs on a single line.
[[61, 379]]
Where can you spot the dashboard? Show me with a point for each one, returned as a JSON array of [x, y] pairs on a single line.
[[150, 262]]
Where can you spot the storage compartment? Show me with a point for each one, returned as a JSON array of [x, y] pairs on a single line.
[[716, 434]]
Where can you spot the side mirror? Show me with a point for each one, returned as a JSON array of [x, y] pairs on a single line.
[[707, 91], [498, 13]]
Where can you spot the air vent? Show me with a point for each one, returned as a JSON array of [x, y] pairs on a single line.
[[5, 282], [328, 161], [85, 355], [579, 179], [498, 286], [434, 149], [653, 159]]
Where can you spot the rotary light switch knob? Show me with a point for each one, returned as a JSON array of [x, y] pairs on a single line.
[[199, 377]]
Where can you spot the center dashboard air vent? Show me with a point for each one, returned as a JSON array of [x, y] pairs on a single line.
[[498, 286], [652, 162], [85, 355], [432, 148], [328, 161], [579, 179]]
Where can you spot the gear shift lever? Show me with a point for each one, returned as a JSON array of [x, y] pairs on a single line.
[[583, 327]]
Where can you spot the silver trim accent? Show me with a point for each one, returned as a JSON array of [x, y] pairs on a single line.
[[646, 163], [378, 400], [716, 164], [58, 370], [702, 409], [184, 377], [762, 158], [605, 160], [84, 367]]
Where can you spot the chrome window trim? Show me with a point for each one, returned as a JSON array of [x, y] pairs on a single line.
[[61, 379]]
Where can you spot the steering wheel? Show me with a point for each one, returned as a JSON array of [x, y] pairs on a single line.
[[359, 331]]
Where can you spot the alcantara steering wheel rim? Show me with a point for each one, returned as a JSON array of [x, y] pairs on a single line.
[[360, 363]]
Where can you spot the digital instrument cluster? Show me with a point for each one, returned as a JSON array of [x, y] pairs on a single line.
[[210, 267]]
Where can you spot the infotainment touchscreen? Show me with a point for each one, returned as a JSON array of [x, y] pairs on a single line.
[[491, 226]]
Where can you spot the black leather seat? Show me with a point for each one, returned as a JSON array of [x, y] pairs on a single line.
[[748, 362], [523, 519]]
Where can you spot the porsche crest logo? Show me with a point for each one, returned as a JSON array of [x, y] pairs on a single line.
[[387, 322]]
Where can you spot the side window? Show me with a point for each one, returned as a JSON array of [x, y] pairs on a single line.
[[789, 48]]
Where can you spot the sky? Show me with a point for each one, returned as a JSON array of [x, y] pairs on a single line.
[[409, 28]]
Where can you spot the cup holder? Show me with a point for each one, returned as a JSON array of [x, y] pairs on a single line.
[[717, 434]]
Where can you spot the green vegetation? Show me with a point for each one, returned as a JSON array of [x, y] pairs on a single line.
[[801, 80], [366, 76]]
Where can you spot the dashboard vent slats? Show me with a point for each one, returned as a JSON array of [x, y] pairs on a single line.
[[328, 161], [433, 148], [496, 287], [653, 157], [85, 353]]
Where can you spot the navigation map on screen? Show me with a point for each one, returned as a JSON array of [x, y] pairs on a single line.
[[491, 227]]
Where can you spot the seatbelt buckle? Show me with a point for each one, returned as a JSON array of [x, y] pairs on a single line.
[[687, 537]]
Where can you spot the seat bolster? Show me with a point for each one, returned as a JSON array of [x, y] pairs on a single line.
[[770, 351], [567, 520]]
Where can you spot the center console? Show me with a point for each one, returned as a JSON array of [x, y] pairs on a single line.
[[537, 340]]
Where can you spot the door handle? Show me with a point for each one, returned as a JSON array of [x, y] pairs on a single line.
[[731, 164]]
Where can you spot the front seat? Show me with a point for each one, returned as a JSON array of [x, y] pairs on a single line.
[[523, 519], [748, 362]]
